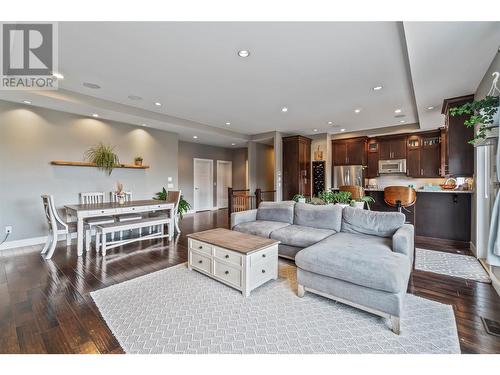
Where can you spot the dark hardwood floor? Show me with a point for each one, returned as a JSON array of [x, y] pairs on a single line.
[[45, 306]]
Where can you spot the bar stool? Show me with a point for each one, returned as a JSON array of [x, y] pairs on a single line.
[[357, 192], [400, 197]]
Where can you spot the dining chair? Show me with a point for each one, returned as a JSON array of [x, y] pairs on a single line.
[[173, 196], [357, 192], [56, 225], [124, 217], [90, 223]]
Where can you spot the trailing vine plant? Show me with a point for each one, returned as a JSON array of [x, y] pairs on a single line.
[[481, 112]]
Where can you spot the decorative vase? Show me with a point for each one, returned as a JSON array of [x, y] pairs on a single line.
[[360, 205], [138, 163], [121, 199], [342, 205], [302, 200]]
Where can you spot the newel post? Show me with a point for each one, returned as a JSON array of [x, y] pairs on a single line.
[[229, 203], [258, 197]]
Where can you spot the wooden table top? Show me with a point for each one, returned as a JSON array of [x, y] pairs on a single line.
[[108, 205], [232, 240]]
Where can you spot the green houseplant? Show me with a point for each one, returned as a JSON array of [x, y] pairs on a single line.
[[342, 198], [299, 198], [183, 207], [138, 160], [103, 157], [481, 112], [360, 203]]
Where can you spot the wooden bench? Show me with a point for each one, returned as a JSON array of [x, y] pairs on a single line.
[[103, 230]]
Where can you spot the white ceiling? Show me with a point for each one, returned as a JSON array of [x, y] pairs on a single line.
[[321, 71]]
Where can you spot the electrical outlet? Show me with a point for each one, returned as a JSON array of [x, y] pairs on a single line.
[[8, 229]]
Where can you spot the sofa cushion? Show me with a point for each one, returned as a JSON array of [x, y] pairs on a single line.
[[359, 259], [318, 216], [300, 236], [260, 228], [276, 211], [383, 224]]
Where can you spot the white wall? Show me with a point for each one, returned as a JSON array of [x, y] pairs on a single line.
[[31, 137]]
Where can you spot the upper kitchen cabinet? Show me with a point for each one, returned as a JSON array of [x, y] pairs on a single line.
[[372, 159], [459, 154], [392, 147], [351, 151], [424, 154], [296, 166]]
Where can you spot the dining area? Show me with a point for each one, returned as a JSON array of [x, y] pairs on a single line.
[[101, 224]]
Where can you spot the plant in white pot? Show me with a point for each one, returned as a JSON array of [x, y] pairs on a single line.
[[342, 198], [360, 203], [299, 198]]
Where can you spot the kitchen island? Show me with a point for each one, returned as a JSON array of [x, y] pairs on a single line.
[[440, 217]]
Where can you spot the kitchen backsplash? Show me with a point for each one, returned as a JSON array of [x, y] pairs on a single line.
[[391, 180]]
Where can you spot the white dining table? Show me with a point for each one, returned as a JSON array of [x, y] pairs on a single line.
[[83, 211]]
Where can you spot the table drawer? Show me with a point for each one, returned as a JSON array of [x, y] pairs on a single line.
[[263, 271], [158, 207], [227, 273], [200, 247], [228, 256], [107, 212], [200, 262], [264, 255]]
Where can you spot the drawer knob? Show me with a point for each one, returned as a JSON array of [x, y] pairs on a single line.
[[227, 256], [227, 272], [200, 261], [263, 271], [263, 255], [200, 247]]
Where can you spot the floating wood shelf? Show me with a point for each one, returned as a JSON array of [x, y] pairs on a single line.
[[85, 164]]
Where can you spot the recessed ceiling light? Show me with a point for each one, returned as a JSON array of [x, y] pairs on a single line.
[[397, 111], [233, 144], [315, 130], [357, 110], [195, 137], [376, 88], [26, 102], [91, 85], [430, 107], [228, 123], [402, 121], [143, 124], [284, 109], [58, 75], [243, 53], [157, 104], [330, 123], [95, 115], [342, 130], [134, 97]]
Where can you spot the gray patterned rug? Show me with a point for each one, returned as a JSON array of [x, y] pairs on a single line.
[[180, 311], [457, 265]]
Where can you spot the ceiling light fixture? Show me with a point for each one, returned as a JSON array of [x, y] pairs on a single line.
[[376, 88], [330, 123], [233, 144], [157, 104], [357, 110], [143, 124], [284, 109], [58, 75], [26, 102], [95, 115], [342, 130], [430, 108], [228, 123], [134, 97], [243, 53], [397, 111], [195, 137], [315, 130], [91, 85], [402, 121]]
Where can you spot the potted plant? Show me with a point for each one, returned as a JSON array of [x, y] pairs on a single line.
[[103, 157], [183, 207], [138, 161], [360, 203], [299, 198], [327, 197], [482, 112], [342, 198], [120, 194]]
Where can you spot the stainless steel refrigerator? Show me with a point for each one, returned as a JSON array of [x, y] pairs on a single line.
[[347, 175]]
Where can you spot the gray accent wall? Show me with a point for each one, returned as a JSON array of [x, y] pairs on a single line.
[[189, 151], [31, 137]]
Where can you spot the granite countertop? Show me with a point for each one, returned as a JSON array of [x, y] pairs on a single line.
[[432, 191]]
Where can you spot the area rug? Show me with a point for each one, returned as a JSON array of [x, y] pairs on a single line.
[[457, 265], [180, 311]]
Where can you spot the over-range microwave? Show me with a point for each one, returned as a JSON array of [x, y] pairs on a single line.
[[392, 166]]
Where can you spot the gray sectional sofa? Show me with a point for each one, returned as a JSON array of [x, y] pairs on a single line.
[[357, 257]]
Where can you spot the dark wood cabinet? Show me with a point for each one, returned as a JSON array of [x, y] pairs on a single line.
[[351, 151], [424, 155], [372, 157], [296, 166], [459, 154], [413, 162], [392, 147]]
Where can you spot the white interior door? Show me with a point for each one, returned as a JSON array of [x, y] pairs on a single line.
[[224, 181], [203, 184]]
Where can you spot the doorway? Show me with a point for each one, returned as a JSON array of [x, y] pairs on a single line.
[[203, 184], [224, 181]]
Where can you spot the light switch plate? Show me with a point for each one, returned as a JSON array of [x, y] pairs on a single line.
[[169, 179], [170, 186]]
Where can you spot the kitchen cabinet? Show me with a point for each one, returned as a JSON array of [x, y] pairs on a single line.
[[392, 147], [459, 154], [372, 159], [351, 151], [424, 155], [296, 166]]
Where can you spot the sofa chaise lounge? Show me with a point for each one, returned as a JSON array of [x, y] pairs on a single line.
[[358, 257]]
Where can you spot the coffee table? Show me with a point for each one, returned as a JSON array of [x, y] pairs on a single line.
[[242, 261]]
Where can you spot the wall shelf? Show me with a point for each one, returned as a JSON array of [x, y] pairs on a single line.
[[86, 164]]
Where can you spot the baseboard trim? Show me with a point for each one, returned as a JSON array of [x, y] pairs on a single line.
[[31, 241], [431, 241], [473, 249]]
